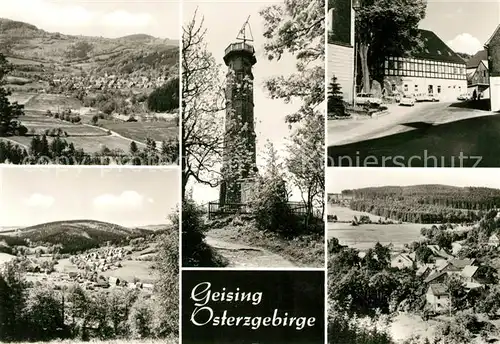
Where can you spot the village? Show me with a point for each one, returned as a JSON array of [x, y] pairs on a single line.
[[93, 269]]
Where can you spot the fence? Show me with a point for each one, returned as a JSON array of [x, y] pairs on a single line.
[[215, 209]]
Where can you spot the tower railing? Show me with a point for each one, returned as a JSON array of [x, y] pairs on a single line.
[[239, 46], [215, 209]]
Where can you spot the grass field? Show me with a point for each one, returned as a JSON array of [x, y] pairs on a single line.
[[4, 257], [133, 268], [346, 214], [90, 144], [140, 131], [21, 97], [18, 61], [41, 123], [53, 102], [363, 237]]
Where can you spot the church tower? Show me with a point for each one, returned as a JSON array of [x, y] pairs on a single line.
[[239, 157]]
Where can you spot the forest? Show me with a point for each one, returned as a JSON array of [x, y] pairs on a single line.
[[425, 203]]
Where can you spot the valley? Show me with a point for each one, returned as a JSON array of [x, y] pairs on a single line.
[[95, 96]]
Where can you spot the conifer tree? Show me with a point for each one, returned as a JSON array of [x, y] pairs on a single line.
[[335, 101]]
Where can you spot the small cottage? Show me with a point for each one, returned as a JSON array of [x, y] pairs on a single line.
[[437, 297]]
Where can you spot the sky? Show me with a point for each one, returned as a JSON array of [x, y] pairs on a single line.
[[223, 21], [129, 197], [344, 178], [107, 18], [465, 25]]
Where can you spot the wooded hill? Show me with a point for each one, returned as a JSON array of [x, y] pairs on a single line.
[[73, 236], [426, 203]]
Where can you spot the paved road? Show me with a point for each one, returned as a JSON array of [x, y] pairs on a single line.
[[399, 119], [243, 256], [427, 135]]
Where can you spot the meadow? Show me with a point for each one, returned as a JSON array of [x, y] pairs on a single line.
[[140, 131], [90, 144], [364, 236]]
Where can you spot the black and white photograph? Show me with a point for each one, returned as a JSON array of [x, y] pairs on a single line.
[[413, 255], [253, 133], [249, 307], [89, 82], [413, 83], [89, 254]]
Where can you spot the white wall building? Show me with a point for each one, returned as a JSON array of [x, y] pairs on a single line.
[[434, 68], [340, 49], [493, 48]]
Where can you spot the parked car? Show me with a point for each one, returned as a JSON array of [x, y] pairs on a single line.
[[421, 97], [464, 96], [433, 97], [367, 99], [407, 100]]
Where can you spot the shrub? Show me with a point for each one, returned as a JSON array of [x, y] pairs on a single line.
[[195, 251]]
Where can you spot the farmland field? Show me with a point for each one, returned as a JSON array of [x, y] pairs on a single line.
[[140, 131]]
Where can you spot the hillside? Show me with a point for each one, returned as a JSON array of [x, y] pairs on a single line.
[[45, 56], [425, 203], [76, 235]]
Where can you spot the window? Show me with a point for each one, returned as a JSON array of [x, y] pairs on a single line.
[[391, 64], [393, 87], [484, 73], [400, 65], [439, 88], [406, 88]]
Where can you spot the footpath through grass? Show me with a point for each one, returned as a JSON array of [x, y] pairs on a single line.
[[304, 250]]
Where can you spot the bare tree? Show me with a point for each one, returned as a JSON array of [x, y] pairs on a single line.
[[202, 103]]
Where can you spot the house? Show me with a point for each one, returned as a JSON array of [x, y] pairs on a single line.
[[440, 256], [493, 49], [469, 272], [437, 297], [478, 81], [340, 49], [403, 260], [457, 265], [114, 281], [494, 241], [424, 271], [436, 277], [432, 68]]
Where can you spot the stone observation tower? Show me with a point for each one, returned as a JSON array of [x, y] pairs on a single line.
[[238, 158]]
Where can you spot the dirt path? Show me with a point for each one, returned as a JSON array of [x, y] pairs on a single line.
[[243, 256]]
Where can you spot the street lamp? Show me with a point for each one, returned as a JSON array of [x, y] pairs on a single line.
[[356, 5]]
